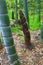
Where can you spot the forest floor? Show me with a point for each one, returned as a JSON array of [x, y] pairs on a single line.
[[26, 56]]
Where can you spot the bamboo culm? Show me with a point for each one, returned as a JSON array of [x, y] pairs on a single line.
[[7, 34]]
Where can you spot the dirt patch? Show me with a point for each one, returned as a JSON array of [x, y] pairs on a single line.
[[27, 57]]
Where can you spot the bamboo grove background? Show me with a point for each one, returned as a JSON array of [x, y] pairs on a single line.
[[35, 11]]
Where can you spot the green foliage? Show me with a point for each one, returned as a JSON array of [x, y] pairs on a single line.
[[17, 30], [10, 3], [34, 14]]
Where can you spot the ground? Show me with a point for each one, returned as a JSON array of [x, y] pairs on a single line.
[[26, 56]]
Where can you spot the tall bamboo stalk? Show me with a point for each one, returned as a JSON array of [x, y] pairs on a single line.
[[41, 21], [26, 10], [16, 9], [39, 10], [7, 34]]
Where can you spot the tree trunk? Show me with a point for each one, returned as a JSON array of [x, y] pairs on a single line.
[[7, 34]]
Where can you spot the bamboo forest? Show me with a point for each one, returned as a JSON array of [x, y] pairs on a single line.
[[21, 32]]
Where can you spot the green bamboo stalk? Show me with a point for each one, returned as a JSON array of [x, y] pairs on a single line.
[[20, 4], [7, 34], [0, 41], [12, 14], [39, 9], [42, 31], [0, 38], [41, 26], [26, 10], [16, 9]]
